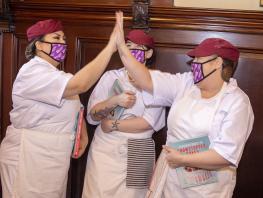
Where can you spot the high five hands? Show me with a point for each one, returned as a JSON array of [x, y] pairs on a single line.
[[117, 36]]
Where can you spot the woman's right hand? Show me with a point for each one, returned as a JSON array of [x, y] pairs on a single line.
[[126, 99], [120, 39], [113, 37], [117, 35]]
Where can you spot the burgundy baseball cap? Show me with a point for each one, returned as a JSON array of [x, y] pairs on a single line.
[[217, 46], [43, 27], [141, 38]]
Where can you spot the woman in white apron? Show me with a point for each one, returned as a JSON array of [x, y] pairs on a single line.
[[35, 153], [204, 102], [122, 153]]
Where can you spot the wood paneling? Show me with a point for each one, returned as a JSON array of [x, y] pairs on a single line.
[[1, 92], [163, 3], [88, 25], [9, 70]]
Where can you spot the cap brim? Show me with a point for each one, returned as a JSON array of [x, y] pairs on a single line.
[[197, 52]]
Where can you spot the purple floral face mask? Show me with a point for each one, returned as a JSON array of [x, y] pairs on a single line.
[[139, 54], [58, 51], [197, 70]]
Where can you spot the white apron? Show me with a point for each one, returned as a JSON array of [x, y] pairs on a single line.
[[192, 117], [106, 169], [43, 164], [120, 164]]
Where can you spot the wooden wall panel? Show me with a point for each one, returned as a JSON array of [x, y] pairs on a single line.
[[1, 92], [163, 3], [9, 70], [88, 25]]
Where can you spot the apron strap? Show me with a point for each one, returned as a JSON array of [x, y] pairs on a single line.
[[140, 162]]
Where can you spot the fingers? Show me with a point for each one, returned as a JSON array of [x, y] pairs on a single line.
[[81, 151], [174, 158], [167, 149], [129, 99], [130, 96], [130, 102], [119, 19], [116, 17], [120, 39], [129, 92]]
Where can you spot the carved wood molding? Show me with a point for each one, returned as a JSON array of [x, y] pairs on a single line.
[[160, 17], [207, 19], [91, 13], [5, 17]]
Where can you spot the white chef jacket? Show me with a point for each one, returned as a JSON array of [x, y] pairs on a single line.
[[42, 129], [37, 98], [154, 116], [38, 104], [228, 126], [107, 156]]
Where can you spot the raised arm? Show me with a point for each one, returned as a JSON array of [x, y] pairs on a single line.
[[136, 70], [90, 73]]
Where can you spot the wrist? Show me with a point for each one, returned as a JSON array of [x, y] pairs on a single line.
[[183, 160], [115, 125], [122, 47], [110, 48], [114, 101]]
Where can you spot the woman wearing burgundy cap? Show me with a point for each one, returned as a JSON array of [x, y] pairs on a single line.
[[122, 153], [207, 104], [35, 153]]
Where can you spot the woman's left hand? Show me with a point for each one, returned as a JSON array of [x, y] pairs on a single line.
[[173, 157], [84, 139]]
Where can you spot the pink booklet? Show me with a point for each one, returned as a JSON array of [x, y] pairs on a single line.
[[78, 127]]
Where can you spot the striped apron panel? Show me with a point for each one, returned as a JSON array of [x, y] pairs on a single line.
[[140, 162]]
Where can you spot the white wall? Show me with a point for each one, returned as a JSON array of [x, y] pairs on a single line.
[[222, 4]]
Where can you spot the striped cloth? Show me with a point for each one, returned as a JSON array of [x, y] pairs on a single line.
[[140, 162]]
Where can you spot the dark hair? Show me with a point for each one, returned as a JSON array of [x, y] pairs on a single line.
[[151, 61], [229, 68], [30, 51]]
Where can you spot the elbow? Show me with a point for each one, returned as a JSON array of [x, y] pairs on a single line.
[[94, 116], [148, 86], [150, 127], [81, 88]]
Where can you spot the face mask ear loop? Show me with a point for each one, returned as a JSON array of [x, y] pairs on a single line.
[[204, 77], [50, 48], [211, 71]]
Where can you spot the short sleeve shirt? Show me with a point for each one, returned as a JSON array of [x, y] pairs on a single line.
[[38, 101]]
